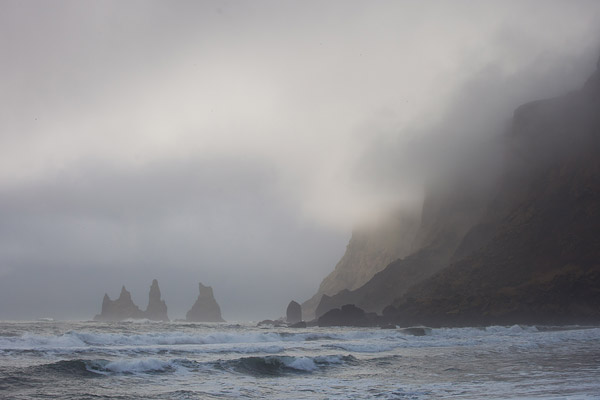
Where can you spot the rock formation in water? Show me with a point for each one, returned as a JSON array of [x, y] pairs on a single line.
[[157, 308], [522, 249], [119, 309], [293, 312], [205, 309]]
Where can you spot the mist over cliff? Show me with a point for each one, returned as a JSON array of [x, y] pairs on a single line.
[[516, 244]]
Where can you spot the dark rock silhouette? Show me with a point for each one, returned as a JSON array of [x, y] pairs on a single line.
[[205, 309], [293, 313], [301, 324], [348, 315], [157, 308], [119, 309]]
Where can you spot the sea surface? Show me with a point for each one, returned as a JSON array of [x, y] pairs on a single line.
[[179, 360]]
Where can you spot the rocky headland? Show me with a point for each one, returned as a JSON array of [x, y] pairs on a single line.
[[519, 245], [369, 251]]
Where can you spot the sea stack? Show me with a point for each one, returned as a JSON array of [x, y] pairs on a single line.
[[119, 309], [205, 309], [293, 313], [157, 308]]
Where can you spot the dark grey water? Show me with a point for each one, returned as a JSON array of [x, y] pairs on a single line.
[[147, 360]]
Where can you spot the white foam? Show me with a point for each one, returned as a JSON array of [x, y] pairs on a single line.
[[29, 341], [300, 363], [250, 342], [138, 365]]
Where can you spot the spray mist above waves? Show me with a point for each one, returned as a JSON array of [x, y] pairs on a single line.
[[215, 161]]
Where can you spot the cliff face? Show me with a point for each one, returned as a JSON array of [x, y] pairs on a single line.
[[541, 263], [157, 308], [520, 245], [368, 252], [119, 309], [454, 205], [205, 309]]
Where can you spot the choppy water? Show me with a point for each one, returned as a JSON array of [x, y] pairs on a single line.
[[133, 360]]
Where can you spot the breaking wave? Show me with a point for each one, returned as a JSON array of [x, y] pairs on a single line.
[[110, 345], [281, 365], [255, 366]]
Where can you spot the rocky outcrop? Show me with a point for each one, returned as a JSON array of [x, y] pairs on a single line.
[[157, 308], [347, 315], [293, 312], [205, 309], [369, 251], [119, 309]]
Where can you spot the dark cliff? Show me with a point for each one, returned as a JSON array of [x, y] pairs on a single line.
[[369, 251], [453, 206], [523, 247], [542, 261]]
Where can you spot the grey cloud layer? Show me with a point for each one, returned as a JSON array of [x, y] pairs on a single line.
[[237, 143]]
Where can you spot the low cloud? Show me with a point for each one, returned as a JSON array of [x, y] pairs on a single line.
[[237, 144]]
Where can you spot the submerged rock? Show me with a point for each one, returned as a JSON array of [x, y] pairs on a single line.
[[119, 309], [293, 313], [416, 331], [205, 309], [157, 308]]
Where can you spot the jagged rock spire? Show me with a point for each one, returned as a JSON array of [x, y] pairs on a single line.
[[205, 309], [157, 308], [120, 309]]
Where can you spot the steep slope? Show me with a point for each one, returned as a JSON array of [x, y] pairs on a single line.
[[449, 211], [542, 262], [369, 251]]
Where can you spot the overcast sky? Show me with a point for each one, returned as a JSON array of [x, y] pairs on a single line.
[[237, 143]]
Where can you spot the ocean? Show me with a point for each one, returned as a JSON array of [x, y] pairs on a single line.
[[180, 360]]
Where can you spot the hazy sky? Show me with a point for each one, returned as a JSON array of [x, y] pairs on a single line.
[[237, 143]]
